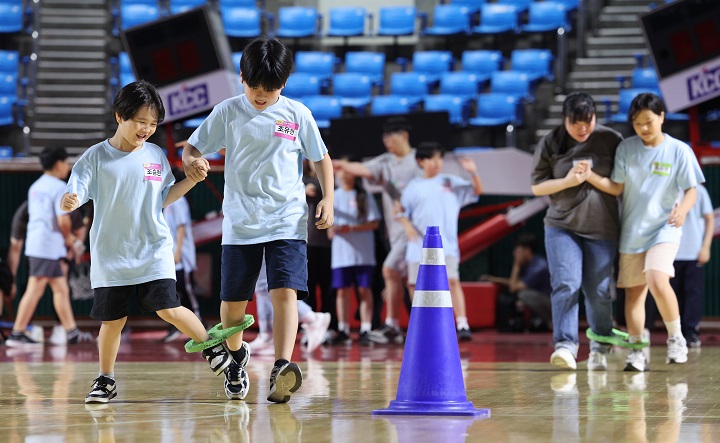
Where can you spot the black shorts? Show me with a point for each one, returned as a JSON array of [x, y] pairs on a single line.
[[111, 303], [286, 263]]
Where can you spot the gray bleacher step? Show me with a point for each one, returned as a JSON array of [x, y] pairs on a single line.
[[76, 3], [618, 32], [71, 55], [624, 52], [73, 21], [634, 2], [73, 33], [72, 76], [62, 110], [626, 9], [73, 12], [74, 135], [78, 43], [613, 42], [70, 101], [55, 125], [70, 65], [604, 64], [73, 150], [598, 75], [618, 21], [70, 89]]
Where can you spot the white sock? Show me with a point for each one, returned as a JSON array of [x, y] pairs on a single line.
[[365, 326], [392, 322], [344, 327], [108, 375], [673, 328], [462, 323], [635, 339]]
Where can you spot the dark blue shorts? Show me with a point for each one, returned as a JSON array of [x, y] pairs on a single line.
[[360, 276], [111, 303], [285, 260]]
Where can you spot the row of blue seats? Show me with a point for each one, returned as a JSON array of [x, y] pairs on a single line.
[[15, 18], [13, 87]]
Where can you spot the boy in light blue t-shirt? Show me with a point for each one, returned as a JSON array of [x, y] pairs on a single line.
[[652, 170], [266, 137], [129, 181], [435, 199]]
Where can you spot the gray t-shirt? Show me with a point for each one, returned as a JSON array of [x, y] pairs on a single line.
[[393, 174], [583, 209]]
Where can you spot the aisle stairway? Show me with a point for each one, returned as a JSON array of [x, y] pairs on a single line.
[[70, 100]]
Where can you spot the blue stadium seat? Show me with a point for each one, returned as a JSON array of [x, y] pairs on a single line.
[[236, 56], [537, 63], [132, 15], [8, 83], [353, 89], [498, 110], [9, 61], [389, 104], [241, 22], [300, 84], [461, 83], [482, 62], [432, 64], [625, 98], [297, 22], [449, 20], [514, 83], [520, 5], [570, 5], [124, 62], [645, 78], [411, 85], [496, 18], [323, 108], [319, 63], [547, 16], [473, 6], [346, 21], [456, 107], [369, 63], [7, 103], [397, 20], [11, 16], [178, 6]]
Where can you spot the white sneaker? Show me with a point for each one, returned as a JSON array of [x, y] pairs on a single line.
[[564, 383], [263, 345], [563, 359], [36, 332], [58, 336], [677, 350], [315, 331], [646, 350], [597, 361], [636, 361]]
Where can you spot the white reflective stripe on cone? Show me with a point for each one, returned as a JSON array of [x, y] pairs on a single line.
[[432, 256], [432, 299]]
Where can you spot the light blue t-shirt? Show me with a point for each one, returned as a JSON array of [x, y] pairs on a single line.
[[264, 192], [176, 215], [130, 242], [436, 202], [693, 230], [44, 239], [654, 179], [353, 248]]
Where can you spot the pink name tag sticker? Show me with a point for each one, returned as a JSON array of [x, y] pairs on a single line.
[[286, 130], [153, 171]]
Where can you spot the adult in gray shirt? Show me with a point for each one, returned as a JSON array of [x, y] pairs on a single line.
[[582, 228], [392, 170]]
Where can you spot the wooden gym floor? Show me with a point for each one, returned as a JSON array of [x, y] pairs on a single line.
[[167, 395]]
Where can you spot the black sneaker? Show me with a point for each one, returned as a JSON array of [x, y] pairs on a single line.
[[341, 339], [464, 334], [218, 357], [237, 382], [365, 339], [172, 334], [284, 380], [387, 335], [78, 336], [21, 340], [103, 390]]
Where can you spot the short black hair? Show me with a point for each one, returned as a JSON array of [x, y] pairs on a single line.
[[397, 124], [133, 96], [266, 63], [643, 101], [51, 155], [579, 107], [427, 150], [528, 240]]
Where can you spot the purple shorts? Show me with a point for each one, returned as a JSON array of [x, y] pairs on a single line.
[[360, 276]]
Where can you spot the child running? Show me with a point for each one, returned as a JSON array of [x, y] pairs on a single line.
[[129, 181], [266, 136], [652, 170]]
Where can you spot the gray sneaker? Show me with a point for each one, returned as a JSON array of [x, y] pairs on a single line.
[[387, 335], [597, 361], [284, 380]]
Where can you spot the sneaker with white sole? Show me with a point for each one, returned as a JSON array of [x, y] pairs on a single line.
[[387, 335], [237, 382], [218, 358], [315, 331], [636, 361], [103, 390], [597, 361], [77, 336], [677, 350], [58, 336], [22, 340], [285, 379], [263, 344], [563, 359]]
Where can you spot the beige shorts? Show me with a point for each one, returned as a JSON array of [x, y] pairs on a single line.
[[633, 266], [451, 264]]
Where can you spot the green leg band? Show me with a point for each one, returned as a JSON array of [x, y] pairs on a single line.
[[618, 338], [218, 335]]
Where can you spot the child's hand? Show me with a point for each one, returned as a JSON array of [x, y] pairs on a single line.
[[196, 168], [468, 164], [578, 174], [325, 214], [69, 202], [677, 217]]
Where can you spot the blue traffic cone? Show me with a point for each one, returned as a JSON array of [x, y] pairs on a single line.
[[431, 381]]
